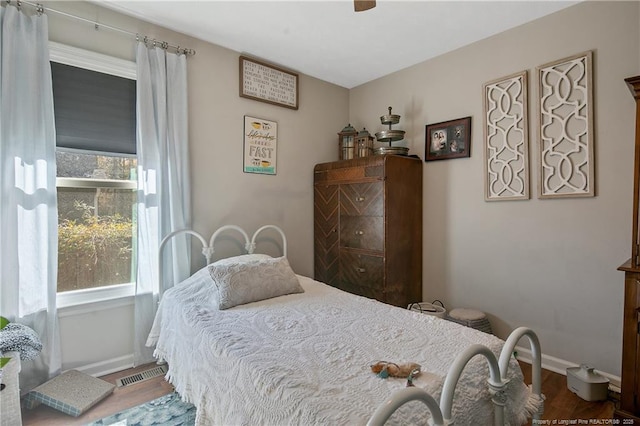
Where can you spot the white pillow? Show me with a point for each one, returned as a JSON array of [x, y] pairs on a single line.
[[245, 281]]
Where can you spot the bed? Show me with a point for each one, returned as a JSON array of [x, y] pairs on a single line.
[[301, 352]]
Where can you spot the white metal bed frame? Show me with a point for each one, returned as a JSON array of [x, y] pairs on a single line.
[[208, 248], [441, 412]]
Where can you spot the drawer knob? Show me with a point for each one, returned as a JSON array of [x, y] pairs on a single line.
[[360, 199], [361, 270], [359, 232]]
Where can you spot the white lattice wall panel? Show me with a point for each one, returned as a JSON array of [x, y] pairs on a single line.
[[506, 138], [566, 164]]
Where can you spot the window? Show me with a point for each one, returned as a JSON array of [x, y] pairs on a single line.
[[96, 202], [94, 104]]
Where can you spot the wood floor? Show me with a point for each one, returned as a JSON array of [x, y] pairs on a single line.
[[560, 403], [121, 399]]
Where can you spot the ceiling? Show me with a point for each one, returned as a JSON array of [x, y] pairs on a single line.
[[328, 40]]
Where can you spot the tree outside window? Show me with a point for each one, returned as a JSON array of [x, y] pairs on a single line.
[[96, 218]]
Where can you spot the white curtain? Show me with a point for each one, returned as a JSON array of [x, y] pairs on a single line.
[[164, 202], [28, 211]]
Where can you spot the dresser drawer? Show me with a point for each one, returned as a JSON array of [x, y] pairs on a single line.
[[362, 232], [362, 199], [362, 274], [347, 171]]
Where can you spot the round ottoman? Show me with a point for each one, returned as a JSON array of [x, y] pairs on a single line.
[[471, 318]]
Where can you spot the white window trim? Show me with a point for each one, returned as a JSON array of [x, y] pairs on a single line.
[[93, 61], [75, 301], [80, 300], [66, 182]]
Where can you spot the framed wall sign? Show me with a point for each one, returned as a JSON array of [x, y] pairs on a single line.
[[260, 144], [268, 83], [449, 139]]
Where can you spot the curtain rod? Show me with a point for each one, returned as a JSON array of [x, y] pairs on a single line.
[[163, 44]]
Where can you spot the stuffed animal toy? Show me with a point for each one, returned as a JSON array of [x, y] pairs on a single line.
[[385, 369]]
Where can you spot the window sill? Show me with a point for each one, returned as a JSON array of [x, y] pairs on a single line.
[[92, 299]]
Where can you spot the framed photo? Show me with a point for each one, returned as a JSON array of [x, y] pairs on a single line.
[[449, 139], [260, 145], [267, 83]]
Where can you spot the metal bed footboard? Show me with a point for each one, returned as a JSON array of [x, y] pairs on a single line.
[[441, 413]]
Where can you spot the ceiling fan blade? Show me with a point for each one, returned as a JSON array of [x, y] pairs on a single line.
[[362, 5]]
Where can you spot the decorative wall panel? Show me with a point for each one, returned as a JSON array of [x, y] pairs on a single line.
[[506, 141], [566, 163]]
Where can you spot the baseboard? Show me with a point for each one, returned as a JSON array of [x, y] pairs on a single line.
[[560, 366], [108, 366]]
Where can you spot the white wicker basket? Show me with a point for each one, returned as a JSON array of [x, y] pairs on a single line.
[[428, 308]]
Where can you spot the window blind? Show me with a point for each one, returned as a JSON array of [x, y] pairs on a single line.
[[94, 111]]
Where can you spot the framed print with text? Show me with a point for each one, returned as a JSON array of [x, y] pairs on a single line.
[[268, 83], [260, 145]]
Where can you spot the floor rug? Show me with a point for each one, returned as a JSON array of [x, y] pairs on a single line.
[[168, 410]]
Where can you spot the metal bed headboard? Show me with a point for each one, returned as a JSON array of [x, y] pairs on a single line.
[[208, 248]]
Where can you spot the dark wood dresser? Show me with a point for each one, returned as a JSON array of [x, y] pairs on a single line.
[[630, 384], [368, 227]]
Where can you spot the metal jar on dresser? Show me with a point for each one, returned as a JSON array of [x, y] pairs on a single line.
[[368, 227]]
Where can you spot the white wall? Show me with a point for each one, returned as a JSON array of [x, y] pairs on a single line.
[[97, 339], [546, 264]]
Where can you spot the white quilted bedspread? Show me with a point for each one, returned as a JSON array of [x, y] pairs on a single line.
[[304, 359]]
